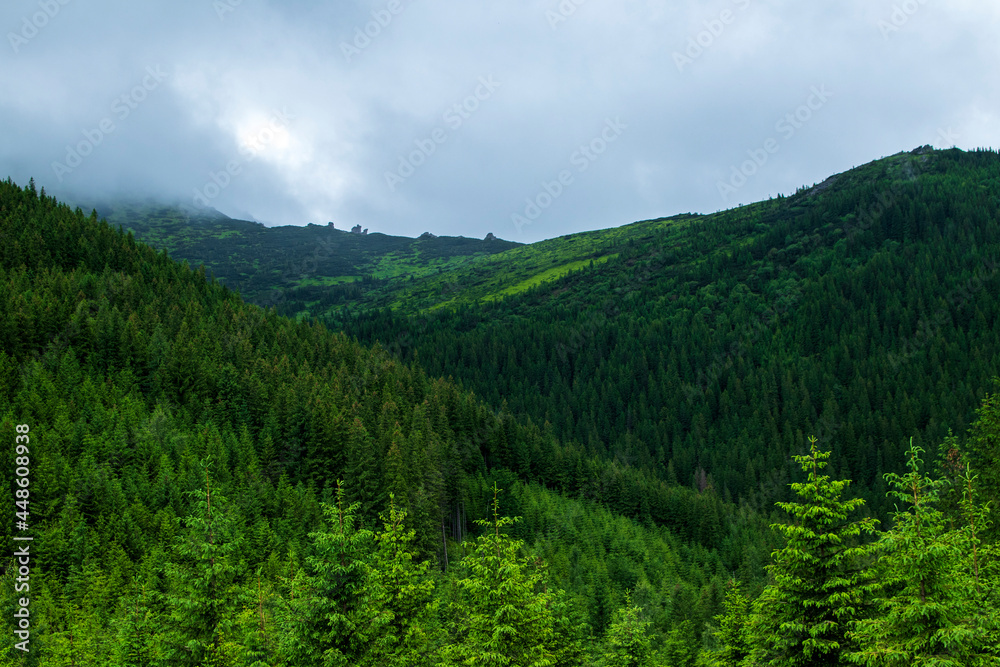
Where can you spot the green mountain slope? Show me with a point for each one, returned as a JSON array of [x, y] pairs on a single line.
[[183, 448], [864, 310], [292, 265], [704, 349], [179, 445]]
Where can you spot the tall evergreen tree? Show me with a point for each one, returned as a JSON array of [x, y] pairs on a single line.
[[203, 581], [984, 452], [679, 646], [136, 629], [326, 621], [398, 598], [506, 618], [732, 632], [933, 608], [364, 485], [628, 642], [259, 632], [820, 578]]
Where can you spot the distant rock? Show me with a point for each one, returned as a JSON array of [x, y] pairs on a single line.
[[356, 229], [366, 231], [427, 235], [490, 237]]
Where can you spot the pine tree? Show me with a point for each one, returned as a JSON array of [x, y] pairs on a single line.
[[398, 598], [74, 636], [732, 633], [984, 452], [202, 582], [678, 648], [325, 624], [506, 619], [819, 578], [933, 609], [259, 641], [628, 642], [136, 627], [364, 476]]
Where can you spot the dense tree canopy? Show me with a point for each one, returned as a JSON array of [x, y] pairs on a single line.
[[212, 483]]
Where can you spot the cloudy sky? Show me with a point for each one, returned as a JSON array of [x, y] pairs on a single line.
[[526, 118]]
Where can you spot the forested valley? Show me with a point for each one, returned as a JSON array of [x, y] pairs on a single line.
[[770, 436]]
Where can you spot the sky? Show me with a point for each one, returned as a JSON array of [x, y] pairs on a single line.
[[529, 119]]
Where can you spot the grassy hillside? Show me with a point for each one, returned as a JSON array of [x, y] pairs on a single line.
[[863, 310], [292, 266]]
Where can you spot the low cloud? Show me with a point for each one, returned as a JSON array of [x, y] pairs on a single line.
[[299, 112]]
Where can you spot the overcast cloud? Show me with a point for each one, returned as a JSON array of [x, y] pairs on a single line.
[[526, 118]]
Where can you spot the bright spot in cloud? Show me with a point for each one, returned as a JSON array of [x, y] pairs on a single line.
[[213, 125], [267, 138]]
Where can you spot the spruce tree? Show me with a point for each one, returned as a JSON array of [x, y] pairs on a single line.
[[984, 453], [326, 622], [506, 617], [202, 582], [364, 475], [258, 630], [934, 609], [398, 598], [136, 626], [732, 632], [73, 636], [820, 578], [628, 642], [678, 648]]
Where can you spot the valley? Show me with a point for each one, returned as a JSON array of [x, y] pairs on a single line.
[[650, 444]]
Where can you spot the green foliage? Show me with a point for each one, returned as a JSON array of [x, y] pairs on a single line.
[[300, 269], [628, 641], [732, 633], [680, 646], [984, 451], [933, 607], [398, 599], [707, 347], [137, 625], [328, 618], [202, 582], [640, 408], [259, 628], [506, 618], [821, 579], [131, 368]]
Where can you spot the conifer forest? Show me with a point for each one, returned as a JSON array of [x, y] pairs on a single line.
[[768, 436]]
